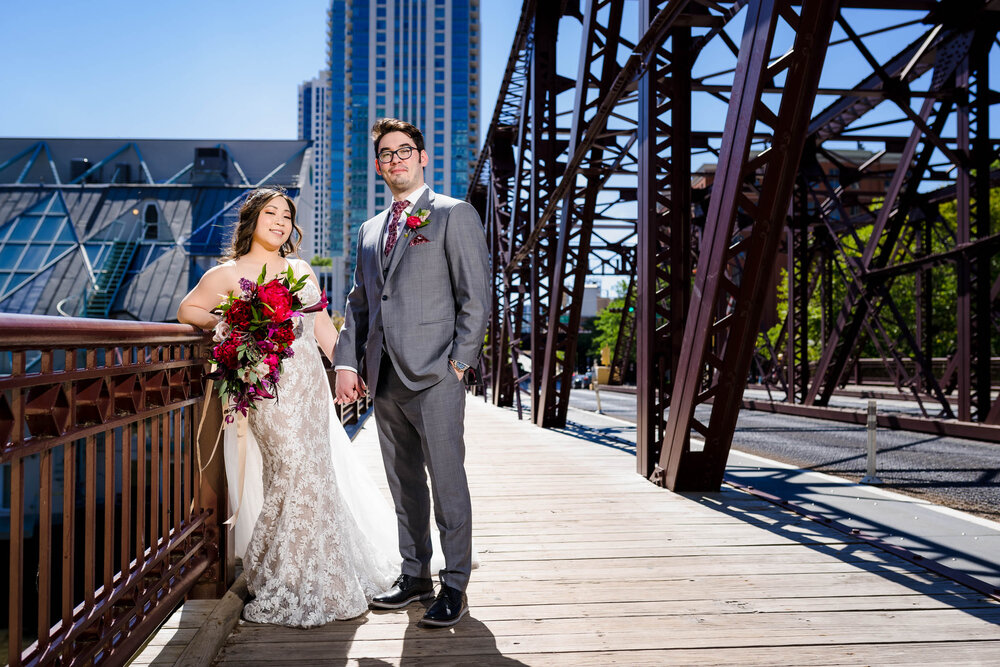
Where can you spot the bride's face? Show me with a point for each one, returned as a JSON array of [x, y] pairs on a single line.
[[274, 224]]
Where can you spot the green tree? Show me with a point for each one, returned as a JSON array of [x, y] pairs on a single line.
[[902, 289], [608, 322], [321, 261]]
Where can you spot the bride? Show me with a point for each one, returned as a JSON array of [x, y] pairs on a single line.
[[323, 538]]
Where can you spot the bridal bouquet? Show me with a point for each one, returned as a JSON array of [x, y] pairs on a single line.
[[254, 337]]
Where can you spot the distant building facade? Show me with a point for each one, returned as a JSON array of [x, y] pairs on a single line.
[[314, 126], [417, 60], [323, 238], [124, 229], [861, 187]]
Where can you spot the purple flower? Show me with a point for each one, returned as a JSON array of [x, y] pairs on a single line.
[[247, 286]]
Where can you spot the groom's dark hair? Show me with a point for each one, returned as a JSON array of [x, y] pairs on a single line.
[[384, 126]]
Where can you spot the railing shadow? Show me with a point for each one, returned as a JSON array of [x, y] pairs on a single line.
[[847, 549], [931, 549], [778, 521]]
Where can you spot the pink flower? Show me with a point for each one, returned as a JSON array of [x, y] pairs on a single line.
[[413, 222]]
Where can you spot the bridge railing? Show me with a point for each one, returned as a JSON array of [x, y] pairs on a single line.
[[109, 524], [108, 518]]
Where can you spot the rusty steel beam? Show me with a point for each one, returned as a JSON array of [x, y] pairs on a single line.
[[543, 135], [664, 262], [598, 66], [637, 61], [557, 168], [721, 328], [943, 427]]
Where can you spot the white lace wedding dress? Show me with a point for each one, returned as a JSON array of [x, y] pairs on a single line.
[[323, 538]]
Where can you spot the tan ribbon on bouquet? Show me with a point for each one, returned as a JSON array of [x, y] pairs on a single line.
[[241, 447]]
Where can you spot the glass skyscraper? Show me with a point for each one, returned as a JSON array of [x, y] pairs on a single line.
[[314, 126], [416, 60]]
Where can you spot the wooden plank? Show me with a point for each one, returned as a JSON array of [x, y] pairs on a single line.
[[600, 567], [911, 655]]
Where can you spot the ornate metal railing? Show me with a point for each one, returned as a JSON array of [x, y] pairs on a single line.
[[110, 524]]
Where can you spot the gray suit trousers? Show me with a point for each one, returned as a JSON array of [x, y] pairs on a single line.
[[418, 429]]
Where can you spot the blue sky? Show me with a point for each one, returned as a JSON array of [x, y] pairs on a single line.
[[222, 69], [181, 69]]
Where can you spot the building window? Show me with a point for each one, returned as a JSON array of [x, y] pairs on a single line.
[[152, 219]]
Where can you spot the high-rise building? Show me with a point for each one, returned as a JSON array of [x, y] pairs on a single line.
[[416, 60], [314, 126]]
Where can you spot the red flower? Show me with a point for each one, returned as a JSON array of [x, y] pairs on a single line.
[[284, 336], [278, 298], [413, 222], [226, 354], [239, 314]]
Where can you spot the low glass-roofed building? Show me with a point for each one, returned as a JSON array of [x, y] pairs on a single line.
[[124, 228]]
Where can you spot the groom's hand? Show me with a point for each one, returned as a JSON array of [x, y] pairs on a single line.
[[349, 387]]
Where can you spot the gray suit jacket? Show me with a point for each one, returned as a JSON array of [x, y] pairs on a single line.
[[424, 304]]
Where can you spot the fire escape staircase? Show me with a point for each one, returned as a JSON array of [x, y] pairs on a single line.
[[109, 277]]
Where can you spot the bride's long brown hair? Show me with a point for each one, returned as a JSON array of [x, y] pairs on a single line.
[[250, 210]]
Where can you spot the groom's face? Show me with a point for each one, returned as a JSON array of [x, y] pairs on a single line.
[[401, 176]]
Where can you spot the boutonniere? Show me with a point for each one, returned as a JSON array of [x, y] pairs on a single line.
[[417, 219]]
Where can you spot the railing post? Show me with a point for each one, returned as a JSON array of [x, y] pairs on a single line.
[[871, 477], [214, 496]]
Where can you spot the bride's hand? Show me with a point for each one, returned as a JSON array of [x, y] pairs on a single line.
[[349, 386]]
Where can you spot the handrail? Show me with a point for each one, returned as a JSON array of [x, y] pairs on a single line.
[[24, 332], [111, 525], [99, 424]]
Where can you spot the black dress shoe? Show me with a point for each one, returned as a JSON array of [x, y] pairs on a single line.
[[450, 606], [407, 589]]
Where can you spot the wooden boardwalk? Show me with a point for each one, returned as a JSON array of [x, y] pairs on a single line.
[[586, 563]]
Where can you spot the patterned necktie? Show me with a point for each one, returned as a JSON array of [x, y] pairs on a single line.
[[397, 210]]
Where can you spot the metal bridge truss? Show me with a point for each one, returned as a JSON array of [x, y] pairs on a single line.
[[587, 170]]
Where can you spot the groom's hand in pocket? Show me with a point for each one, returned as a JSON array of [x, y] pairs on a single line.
[[350, 387]]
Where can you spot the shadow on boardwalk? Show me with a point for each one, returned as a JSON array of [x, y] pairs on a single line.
[[586, 563]]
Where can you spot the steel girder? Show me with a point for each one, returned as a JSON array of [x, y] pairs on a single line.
[[664, 262], [722, 321], [602, 36], [553, 170], [909, 218]]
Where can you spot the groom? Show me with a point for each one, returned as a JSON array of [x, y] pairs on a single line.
[[414, 324]]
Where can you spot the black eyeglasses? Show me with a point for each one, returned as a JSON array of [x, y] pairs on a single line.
[[403, 153]]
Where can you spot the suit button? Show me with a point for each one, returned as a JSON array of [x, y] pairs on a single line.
[[385, 297], [380, 327]]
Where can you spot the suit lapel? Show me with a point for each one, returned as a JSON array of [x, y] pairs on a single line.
[[406, 233]]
